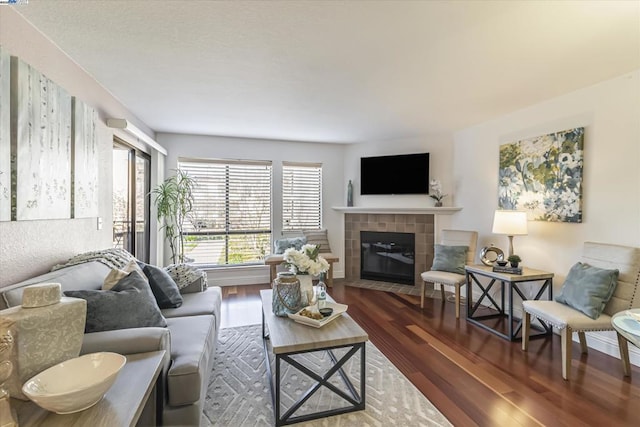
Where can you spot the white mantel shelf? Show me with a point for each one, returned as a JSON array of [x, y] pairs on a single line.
[[445, 210]]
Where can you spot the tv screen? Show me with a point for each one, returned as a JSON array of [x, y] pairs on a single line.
[[401, 174]]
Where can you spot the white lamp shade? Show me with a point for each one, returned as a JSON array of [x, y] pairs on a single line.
[[511, 223]]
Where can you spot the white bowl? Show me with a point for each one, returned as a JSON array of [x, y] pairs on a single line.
[[75, 384]]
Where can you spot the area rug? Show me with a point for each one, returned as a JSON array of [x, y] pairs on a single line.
[[238, 393]]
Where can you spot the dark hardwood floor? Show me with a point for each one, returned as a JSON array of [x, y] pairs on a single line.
[[472, 376]]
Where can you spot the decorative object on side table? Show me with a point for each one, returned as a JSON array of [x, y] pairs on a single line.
[[8, 417], [514, 260], [489, 255], [76, 384], [512, 268], [48, 330], [437, 194], [306, 262]]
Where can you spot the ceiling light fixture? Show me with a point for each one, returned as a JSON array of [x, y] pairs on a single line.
[[133, 130]]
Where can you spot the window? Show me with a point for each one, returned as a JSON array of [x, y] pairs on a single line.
[[131, 186], [301, 196], [230, 222]]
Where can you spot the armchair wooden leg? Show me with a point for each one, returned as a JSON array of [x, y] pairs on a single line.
[[457, 302], [624, 355], [424, 285], [526, 327], [565, 337], [583, 342], [444, 298]]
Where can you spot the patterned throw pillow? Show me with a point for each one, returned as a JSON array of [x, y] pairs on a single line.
[[185, 274], [282, 245], [318, 238]]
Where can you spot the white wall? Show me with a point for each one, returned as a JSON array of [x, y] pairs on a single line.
[[28, 248], [610, 113], [215, 147], [440, 151]]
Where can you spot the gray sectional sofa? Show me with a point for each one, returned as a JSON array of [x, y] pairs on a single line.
[[189, 339]]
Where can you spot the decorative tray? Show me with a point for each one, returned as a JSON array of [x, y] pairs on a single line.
[[338, 309]]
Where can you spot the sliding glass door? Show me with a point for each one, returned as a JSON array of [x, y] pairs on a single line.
[[131, 200]]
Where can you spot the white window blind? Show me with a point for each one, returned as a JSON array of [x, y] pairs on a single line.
[[231, 218], [301, 196]]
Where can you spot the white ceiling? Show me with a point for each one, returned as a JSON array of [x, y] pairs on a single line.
[[337, 71]]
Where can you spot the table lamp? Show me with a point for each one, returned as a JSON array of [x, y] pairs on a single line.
[[511, 223]]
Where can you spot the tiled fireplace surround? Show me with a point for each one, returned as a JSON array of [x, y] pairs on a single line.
[[422, 225]]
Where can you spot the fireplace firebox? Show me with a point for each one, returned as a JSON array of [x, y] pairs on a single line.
[[388, 257]]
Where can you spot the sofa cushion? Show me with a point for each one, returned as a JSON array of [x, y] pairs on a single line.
[[89, 275], [196, 304], [130, 304], [164, 288], [193, 340]]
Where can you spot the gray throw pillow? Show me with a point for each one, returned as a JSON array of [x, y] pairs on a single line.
[[164, 288], [588, 288], [129, 304], [282, 245], [450, 258]]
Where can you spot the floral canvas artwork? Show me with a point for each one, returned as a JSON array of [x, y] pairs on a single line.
[[543, 176]]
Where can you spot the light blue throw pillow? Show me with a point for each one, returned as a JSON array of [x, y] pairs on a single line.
[[588, 289], [281, 245], [450, 258]]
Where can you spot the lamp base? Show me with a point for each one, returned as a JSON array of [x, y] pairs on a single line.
[[510, 245]]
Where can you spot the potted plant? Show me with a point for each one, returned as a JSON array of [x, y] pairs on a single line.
[[174, 202], [514, 260]]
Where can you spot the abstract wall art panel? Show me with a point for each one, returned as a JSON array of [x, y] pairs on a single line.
[[5, 135], [42, 144], [543, 176], [85, 160]]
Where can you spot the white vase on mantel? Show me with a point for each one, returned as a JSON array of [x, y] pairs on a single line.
[[306, 289]]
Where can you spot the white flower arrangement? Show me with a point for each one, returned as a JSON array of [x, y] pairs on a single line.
[[436, 186], [306, 260]]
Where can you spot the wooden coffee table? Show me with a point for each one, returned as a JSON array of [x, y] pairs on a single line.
[[288, 338]]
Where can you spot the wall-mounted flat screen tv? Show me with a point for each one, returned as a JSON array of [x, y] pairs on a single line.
[[400, 174]]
